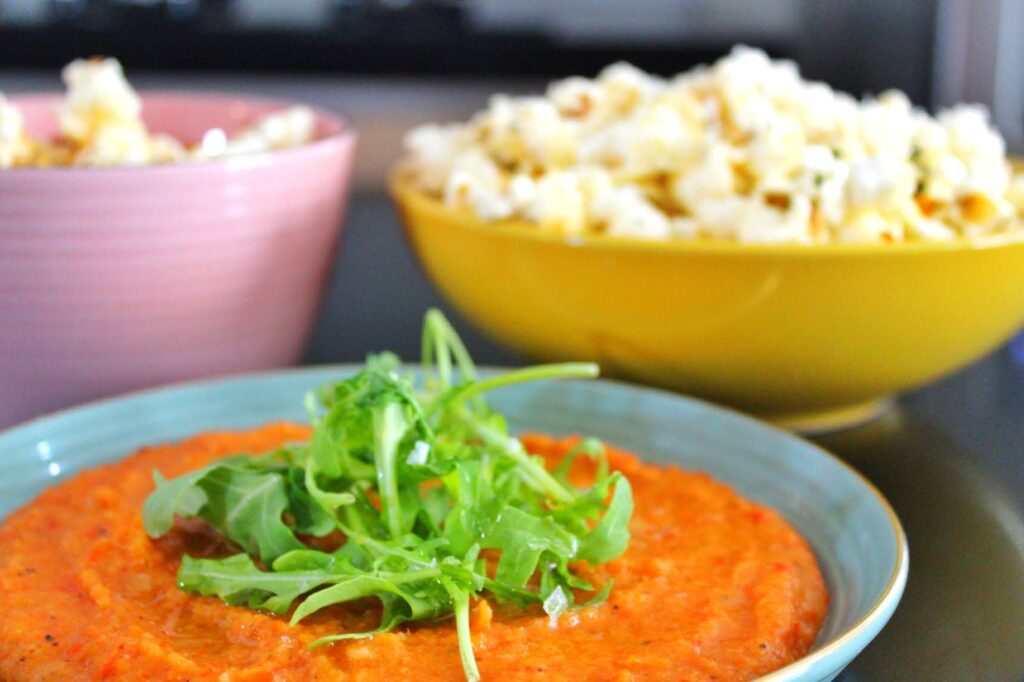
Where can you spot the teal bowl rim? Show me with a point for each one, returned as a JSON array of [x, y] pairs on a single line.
[[843, 648]]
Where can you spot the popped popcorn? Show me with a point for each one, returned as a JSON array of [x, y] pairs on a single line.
[[14, 144], [100, 124], [290, 127], [742, 150]]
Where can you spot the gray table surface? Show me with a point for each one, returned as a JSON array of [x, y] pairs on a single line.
[[950, 458]]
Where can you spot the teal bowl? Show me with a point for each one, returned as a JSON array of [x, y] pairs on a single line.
[[854, 532]]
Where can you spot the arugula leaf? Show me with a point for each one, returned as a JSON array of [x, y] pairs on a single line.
[[248, 507], [416, 478], [237, 496], [238, 581], [523, 538], [310, 517], [180, 496], [408, 588], [610, 537]]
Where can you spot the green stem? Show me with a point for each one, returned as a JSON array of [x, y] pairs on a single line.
[[561, 370], [423, 574], [536, 475], [441, 344], [389, 426], [434, 354], [382, 548], [454, 345], [353, 520], [460, 602]]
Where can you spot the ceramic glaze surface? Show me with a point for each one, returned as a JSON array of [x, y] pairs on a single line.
[[118, 278], [782, 331]]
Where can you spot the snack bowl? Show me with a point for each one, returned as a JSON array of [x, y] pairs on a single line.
[[117, 278], [807, 336], [854, 533]]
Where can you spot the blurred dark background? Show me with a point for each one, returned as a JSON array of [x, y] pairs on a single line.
[[481, 38]]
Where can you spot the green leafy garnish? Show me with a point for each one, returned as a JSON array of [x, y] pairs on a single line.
[[432, 500]]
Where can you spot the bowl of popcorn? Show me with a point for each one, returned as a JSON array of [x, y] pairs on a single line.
[[153, 237], [734, 232]]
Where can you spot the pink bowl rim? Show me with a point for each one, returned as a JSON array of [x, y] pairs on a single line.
[[340, 133]]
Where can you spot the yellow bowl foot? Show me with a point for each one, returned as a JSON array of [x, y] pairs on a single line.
[[834, 419]]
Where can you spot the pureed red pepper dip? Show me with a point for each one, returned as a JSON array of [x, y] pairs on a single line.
[[466, 554], [712, 587]]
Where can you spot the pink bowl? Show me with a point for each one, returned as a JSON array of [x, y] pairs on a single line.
[[119, 278]]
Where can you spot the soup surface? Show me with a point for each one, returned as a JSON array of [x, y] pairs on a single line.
[[712, 587]]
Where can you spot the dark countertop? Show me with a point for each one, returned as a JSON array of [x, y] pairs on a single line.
[[949, 457]]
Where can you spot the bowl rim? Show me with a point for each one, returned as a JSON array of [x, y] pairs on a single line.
[[842, 648], [405, 193], [340, 132]]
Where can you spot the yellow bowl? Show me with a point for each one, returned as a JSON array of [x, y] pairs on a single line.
[[793, 333]]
